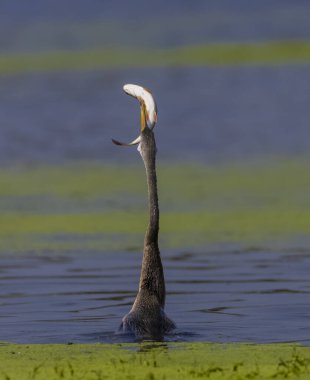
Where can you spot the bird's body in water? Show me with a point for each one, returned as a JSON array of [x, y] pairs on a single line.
[[147, 318]]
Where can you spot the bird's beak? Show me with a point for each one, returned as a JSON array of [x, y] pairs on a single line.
[[143, 115], [148, 110]]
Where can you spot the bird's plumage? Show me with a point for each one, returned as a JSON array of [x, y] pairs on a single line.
[[147, 318]]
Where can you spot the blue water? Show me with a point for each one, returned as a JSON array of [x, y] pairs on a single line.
[[36, 25], [246, 296], [205, 114]]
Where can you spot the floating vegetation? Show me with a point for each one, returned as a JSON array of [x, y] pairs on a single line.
[[98, 207], [263, 53], [154, 361]]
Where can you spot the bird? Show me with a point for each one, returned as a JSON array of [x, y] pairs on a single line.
[[147, 318]]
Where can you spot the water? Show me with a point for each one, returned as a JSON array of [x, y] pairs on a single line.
[[54, 25], [206, 114], [257, 297]]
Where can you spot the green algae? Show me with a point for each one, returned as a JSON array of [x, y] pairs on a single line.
[[264, 53], [93, 206], [154, 361], [98, 207]]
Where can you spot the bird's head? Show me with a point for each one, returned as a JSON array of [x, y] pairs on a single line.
[[148, 111]]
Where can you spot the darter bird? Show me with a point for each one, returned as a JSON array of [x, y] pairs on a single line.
[[147, 319]]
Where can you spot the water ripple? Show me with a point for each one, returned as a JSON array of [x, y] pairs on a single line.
[[252, 297]]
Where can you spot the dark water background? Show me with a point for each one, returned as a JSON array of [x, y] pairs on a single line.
[[206, 114], [37, 25], [219, 297]]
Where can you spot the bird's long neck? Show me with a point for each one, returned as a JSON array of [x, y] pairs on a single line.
[[151, 235], [152, 277]]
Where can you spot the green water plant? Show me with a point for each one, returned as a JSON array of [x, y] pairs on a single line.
[[154, 361], [261, 53], [48, 207]]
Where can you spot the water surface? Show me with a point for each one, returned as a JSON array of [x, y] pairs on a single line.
[[206, 114], [236, 296]]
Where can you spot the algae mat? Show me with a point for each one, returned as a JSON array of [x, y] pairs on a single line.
[[154, 361], [97, 207], [264, 53], [89, 206]]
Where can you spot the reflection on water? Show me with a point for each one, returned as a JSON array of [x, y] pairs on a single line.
[[221, 297]]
